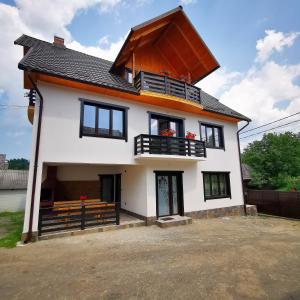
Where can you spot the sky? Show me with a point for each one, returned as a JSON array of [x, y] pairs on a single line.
[[257, 44]]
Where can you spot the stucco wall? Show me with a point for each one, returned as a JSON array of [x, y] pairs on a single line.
[[12, 200], [60, 143]]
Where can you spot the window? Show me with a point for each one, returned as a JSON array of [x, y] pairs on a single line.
[[159, 122], [128, 75], [212, 135], [103, 120], [216, 185]]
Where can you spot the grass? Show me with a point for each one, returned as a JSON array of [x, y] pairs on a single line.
[[12, 222]]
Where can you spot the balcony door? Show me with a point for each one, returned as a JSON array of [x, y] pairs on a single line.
[[169, 193], [158, 123]]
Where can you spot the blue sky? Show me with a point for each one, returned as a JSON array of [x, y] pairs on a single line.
[[231, 29]]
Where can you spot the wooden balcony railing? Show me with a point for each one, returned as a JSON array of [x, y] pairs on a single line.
[[155, 144], [166, 85]]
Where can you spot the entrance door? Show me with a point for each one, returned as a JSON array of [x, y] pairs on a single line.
[[110, 187], [169, 194]]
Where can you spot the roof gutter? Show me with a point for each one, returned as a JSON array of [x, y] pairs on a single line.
[[240, 158], [36, 158]]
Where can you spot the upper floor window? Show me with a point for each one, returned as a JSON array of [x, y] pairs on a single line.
[[216, 185], [212, 135], [103, 120], [160, 122]]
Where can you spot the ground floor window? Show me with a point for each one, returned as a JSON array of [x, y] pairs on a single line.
[[216, 185]]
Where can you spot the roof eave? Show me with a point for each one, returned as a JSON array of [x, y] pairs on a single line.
[[25, 68]]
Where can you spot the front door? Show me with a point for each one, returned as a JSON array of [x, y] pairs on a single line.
[[169, 193]]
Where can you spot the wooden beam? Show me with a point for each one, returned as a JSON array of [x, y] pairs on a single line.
[[146, 32], [133, 67]]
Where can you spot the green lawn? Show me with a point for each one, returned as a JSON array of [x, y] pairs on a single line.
[[11, 223]]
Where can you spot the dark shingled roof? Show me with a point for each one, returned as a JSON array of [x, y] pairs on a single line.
[[60, 61]]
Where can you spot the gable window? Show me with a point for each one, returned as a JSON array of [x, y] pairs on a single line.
[[103, 120], [160, 122], [128, 75], [212, 135], [216, 185]]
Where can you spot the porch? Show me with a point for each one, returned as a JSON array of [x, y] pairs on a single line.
[[78, 197], [82, 218]]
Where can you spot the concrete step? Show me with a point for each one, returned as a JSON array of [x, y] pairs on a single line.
[[165, 222]]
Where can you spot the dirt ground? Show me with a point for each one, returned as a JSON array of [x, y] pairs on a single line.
[[229, 258]]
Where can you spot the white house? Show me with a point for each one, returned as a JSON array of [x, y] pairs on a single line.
[[116, 132]]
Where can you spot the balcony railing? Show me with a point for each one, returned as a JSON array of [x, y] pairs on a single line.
[[155, 144], [166, 85]]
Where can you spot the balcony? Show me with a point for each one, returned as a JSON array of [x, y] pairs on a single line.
[[164, 147], [165, 85]]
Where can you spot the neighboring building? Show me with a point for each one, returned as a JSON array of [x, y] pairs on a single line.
[[3, 162], [103, 126], [13, 187], [246, 173]]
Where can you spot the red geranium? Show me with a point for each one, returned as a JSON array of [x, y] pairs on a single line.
[[190, 135]]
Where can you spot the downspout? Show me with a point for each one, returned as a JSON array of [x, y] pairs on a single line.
[[238, 140], [36, 158]]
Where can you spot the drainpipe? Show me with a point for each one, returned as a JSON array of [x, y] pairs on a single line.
[[36, 158], [238, 140]]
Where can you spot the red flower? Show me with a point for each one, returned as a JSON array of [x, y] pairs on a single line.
[[190, 135], [167, 132]]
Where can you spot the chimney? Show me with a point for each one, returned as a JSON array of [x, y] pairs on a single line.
[[58, 41]]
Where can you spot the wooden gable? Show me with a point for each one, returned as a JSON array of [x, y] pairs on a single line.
[[167, 45]]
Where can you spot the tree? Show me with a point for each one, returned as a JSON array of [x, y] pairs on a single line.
[[18, 164], [274, 159]]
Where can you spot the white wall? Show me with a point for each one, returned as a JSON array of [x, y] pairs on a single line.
[[60, 143], [12, 200]]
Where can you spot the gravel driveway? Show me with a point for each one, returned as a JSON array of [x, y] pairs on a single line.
[[229, 258]]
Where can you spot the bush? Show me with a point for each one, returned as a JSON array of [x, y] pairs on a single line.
[[288, 183]]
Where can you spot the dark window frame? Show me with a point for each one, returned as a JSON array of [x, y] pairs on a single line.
[[227, 183], [181, 130], [98, 105], [213, 126]]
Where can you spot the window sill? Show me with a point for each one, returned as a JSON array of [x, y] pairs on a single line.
[[216, 148], [217, 197], [103, 136]]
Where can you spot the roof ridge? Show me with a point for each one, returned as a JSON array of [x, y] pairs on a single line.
[[17, 42]]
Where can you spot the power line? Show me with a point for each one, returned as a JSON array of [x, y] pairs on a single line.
[[271, 122], [244, 137], [12, 105]]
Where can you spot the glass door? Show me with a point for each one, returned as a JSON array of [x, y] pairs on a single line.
[[169, 193]]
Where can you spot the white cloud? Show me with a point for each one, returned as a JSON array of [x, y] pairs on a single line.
[[41, 19], [105, 49], [219, 81], [274, 41], [257, 92]]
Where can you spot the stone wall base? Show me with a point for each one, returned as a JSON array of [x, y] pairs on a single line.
[[34, 236], [222, 212], [149, 220]]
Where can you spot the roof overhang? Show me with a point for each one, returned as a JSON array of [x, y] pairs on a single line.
[[176, 39]]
